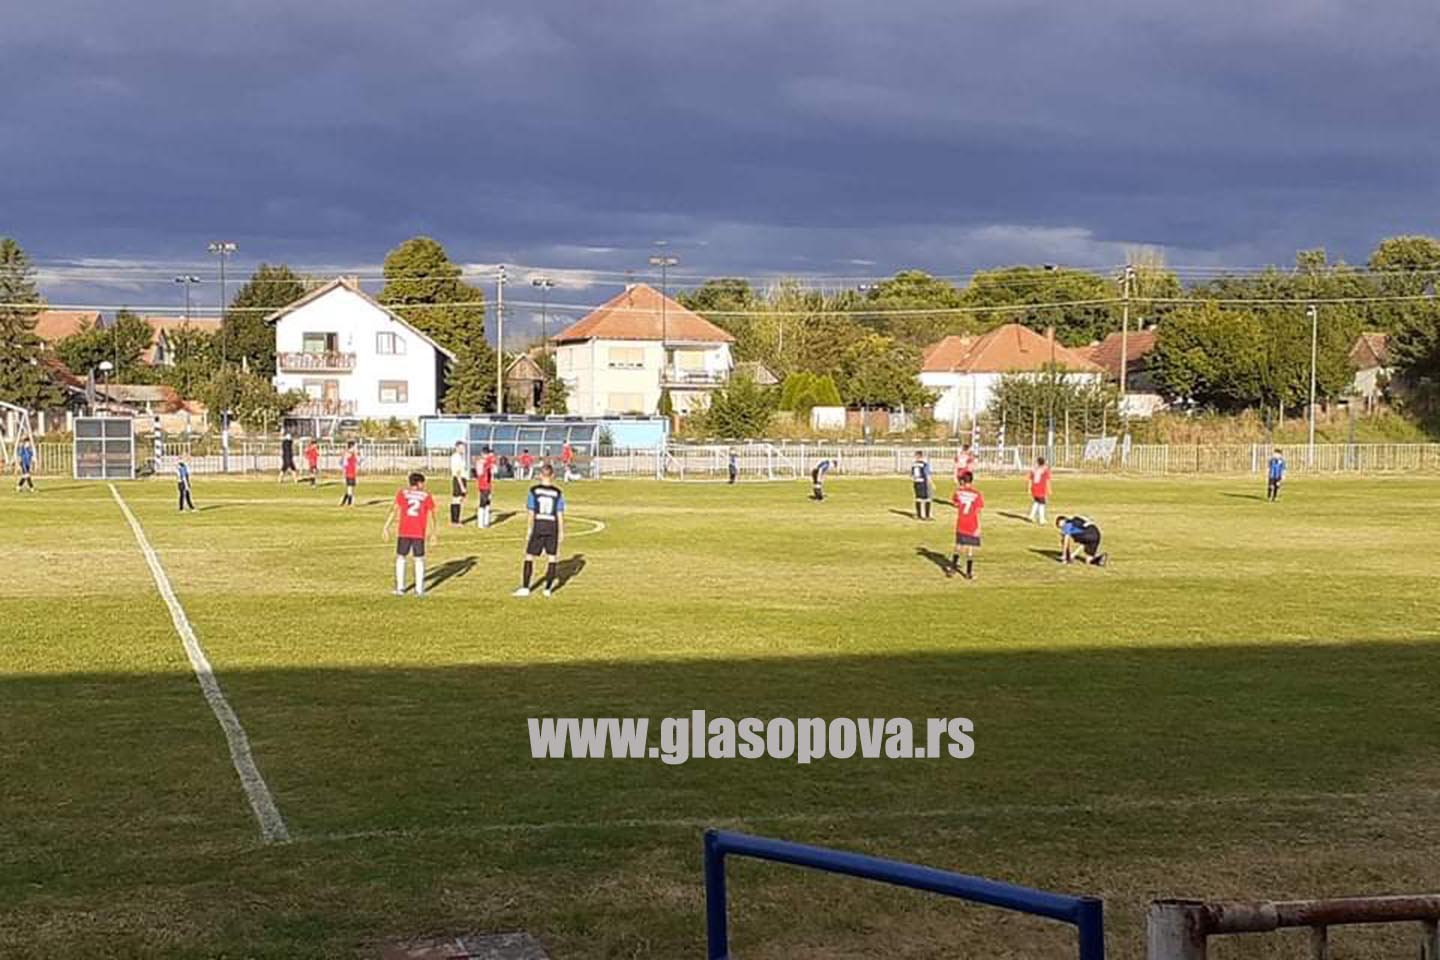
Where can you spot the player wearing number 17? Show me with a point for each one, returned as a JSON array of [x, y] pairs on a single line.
[[416, 510], [968, 504]]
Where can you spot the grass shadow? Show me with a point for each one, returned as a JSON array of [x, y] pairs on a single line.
[[1014, 516], [903, 513], [937, 558], [1048, 554], [449, 570], [1243, 496], [568, 569]]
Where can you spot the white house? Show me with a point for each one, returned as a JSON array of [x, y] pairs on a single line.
[[1370, 356], [963, 371], [161, 352], [625, 353], [356, 358]]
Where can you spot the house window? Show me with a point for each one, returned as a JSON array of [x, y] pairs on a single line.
[[627, 358], [394, 391], [625, 403], [389, 344], [319, 343], [689, 359]]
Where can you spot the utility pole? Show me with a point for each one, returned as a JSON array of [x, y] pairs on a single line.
[[1314, 313], [664, 262], [1126, 283], [500, 340], [544, 284], [222, 249]]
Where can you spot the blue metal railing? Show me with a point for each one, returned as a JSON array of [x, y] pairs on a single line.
[[1086, 914]]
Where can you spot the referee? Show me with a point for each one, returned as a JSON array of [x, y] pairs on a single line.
[[457, 482]]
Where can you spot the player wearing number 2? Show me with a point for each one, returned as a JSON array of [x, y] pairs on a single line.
[[416, 510], [968, 504]]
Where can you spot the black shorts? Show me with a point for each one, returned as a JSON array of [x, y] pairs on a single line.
[[288, 465], [484, 498], [1039, 500], [410, 546], [457, 487], [1089, 542], [350, 483], [544, 541], [922, 491], [966, 540]]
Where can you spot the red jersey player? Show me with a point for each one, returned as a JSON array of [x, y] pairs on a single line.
[[964, 462], [484, 471], [312, 461], [527, 464], [968, 504], [416, 510], [567, 460], [1039, 478], [350, 467]]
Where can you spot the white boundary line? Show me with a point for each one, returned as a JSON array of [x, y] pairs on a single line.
[[272, 826]]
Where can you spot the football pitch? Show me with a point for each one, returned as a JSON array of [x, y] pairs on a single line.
[[1242, 704]]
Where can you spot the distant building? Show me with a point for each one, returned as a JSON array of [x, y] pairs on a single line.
[[524, 385], [623, 355], [161, 352], [963, 371], [1370, 356], [52, 326], [355, 358], [1141, 399]]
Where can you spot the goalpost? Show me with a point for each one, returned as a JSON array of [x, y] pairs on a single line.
[[17, 428], [711, 462]]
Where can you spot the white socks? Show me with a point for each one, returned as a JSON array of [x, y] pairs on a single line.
[[399, 574], [482, 518], [419, 576]]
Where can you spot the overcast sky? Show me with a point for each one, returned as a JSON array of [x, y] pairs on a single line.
[[758, 137]]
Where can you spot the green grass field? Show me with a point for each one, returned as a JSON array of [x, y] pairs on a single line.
[[1242, 704]]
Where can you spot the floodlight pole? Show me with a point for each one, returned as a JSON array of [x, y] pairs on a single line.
[[544, 284], [664, 262], [1125, 284], [187, 281], [222, 249], [1314, 313], [500, 340]]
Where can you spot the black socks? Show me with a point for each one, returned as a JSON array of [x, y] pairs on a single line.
[[529, 571]]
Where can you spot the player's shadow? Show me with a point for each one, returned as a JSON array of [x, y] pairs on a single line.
[[449, 570], [1243, 496], [375, 502], [502, 516], [907, 514], [568, 569], [1014, 516], [216, 506], [1048, 554], [939, 559]]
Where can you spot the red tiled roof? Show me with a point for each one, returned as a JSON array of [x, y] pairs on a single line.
[[52, 325], [1370, 350], [634, 314], [159, 325], [1106, 353], [1008, 348]]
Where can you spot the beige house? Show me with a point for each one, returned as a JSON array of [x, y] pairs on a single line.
[[1370, 356], [161, 352], [622, 356]]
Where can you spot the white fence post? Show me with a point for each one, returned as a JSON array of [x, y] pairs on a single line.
[[1172, 931]]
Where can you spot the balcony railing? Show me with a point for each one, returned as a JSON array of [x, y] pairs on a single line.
[[676, 377], [325, 408], [316, 362]]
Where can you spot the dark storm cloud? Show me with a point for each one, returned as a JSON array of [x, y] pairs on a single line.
[[757, 136]]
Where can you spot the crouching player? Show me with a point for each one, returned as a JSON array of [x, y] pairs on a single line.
[[546, 506], [817, 479], [968, 504], [416, 510], [1084, 533]]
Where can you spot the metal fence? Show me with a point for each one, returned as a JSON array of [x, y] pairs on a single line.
[[1086, 914], [1180, 929], [782, 460]]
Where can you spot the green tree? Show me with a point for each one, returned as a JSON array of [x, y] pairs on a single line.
[[803, 391], [244, 334], [470, 380], [554, 396], [122, 342], [742, 409], [878, 372], [424, 287], [1210, 356], [24, 380], [1025, 401], [1027, 288], [195, 360], [250, 398], [901, 306]]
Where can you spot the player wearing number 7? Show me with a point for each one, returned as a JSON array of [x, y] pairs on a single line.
[[968, 504], [416, 510]]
